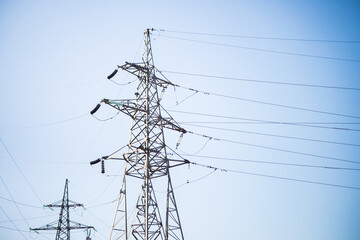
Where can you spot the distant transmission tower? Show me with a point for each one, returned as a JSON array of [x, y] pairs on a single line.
[[146, 158], [64, 224]]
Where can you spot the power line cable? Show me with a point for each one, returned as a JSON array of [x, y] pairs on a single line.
[[264, 175], [271, 162], [262, 121], [202, 148], [23, 204], [267, 103], [261, 37], [105, 224], [259, 102], [18, 220], [117, 151], [273, 148], [106, 119], [192, 181], [17, 229], [17, 166], [81, 190], [276, 177], [14, 229], [274, 135], [263, 50], [15, 202], [262, 81], [242, 122], [103, 204], [122, 84], [53, 123]]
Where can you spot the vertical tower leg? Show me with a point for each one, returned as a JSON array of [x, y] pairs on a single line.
[[173, 228], [119, 226]]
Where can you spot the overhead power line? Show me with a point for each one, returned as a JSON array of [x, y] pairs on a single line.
[[262, 81], [272, 148], [14, 229], [23, 204], [264, 175], [261, 37], [274, 135], [53, 123], [271, 162], [22, 174], [17, 229], [15, 202], [18, 220], [263, 50], [275, 177], [102, 204], [258, 101], [243, 122], [263, 121], [267, 103]]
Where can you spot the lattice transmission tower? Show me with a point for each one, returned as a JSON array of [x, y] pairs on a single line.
[[64, 225], [147, 157]]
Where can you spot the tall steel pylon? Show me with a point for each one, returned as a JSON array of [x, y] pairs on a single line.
[[64, 224], [146, 158]]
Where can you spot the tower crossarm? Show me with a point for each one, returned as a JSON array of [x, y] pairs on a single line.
[[130, 108], [49, 226], [54, 226], [170, 124], [59, 205], [76, 225], [139, 69]]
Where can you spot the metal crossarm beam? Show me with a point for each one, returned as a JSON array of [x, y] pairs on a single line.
[[59, 205], [76, 225], [131, 108], [140, 68], [50, 226]]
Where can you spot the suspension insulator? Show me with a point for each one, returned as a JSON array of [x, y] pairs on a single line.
[[95, 161], [113, 74], [95, 109], [179, 141], [102, 166]]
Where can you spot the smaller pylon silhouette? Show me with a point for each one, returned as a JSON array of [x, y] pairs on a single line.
[[64, 225]]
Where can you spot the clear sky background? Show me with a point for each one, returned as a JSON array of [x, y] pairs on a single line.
[[54, 59]]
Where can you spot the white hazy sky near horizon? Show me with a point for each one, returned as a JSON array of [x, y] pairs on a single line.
[[55, 56]]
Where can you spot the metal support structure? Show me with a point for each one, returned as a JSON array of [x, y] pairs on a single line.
[[119, 226], [64, 224], [146, 158]]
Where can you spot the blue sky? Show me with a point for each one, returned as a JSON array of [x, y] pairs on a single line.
[[55, 56]]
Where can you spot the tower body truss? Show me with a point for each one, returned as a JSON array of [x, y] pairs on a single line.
[[146, 157], [64, 224]]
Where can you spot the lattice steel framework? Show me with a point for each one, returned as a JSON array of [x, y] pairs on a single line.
[[64, 224], [146, 157]]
